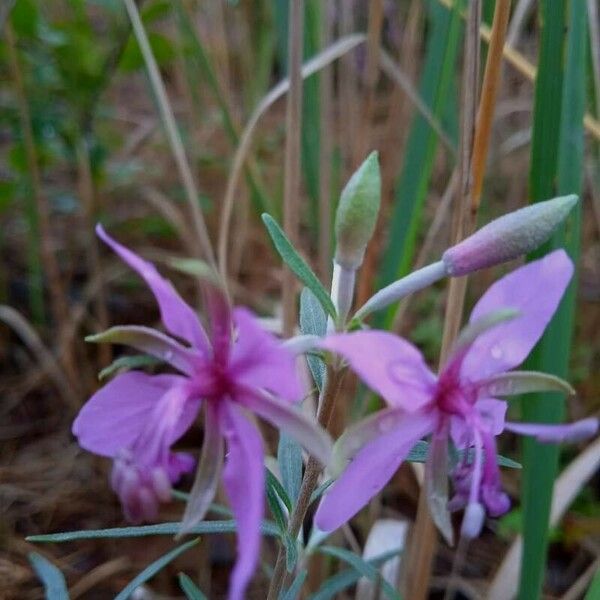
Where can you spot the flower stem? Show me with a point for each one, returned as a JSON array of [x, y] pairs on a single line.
[[309, 481]]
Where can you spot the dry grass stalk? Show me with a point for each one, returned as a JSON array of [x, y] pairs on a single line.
[[320, 61], [293, 125], [424, 541], [523, 66], [398, 118], [48, 363], [173, 136], [348, 93], [326, 151]]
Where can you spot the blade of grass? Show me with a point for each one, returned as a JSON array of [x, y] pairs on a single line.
[[557, 156], [413, 183], [523, 66]]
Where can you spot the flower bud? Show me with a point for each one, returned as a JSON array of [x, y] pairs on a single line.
[[357, 213], [508, 237]]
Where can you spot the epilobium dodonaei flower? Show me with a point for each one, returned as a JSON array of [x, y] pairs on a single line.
[[459, 404], [235, 369]]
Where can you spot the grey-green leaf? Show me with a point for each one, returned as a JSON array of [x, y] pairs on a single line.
[[55, 586], [206, 527], [127, 363], [524, 382], [361, 566], [153, 568], [297, 264], [313, 321], [190, 589]]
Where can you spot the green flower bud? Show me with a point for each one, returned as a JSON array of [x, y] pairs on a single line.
[[357, 213]]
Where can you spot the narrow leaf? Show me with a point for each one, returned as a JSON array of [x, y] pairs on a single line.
[[362, 567], [289, 458], [55, 586], [297, 264], [190, 589], [313, 321], [152, 569], [343, 580], [207, 527], [524, 382], [127, 363], [294, 590]]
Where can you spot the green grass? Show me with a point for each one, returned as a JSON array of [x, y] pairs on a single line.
[[556, 168], [435, 89]]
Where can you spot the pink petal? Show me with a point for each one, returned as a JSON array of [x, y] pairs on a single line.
[[388, 364], [259, 360], [118, 412], [177, 316], [535, 290], [491, 412], [571, 432], [290, 420], [244, 479], [371, 468], [168, 420]]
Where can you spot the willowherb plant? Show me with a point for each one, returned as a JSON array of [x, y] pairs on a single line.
[[459, 403], [236, 369]]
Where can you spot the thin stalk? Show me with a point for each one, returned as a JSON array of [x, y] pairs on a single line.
[[293, 124], [325, 153], [398, 117], [324, 58], [177, 148], [491, 82], [424, 541], [309, 482]]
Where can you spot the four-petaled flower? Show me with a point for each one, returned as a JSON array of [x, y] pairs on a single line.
[[236, 370], [459, 404]]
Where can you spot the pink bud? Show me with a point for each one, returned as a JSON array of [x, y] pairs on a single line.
[[508, 237]]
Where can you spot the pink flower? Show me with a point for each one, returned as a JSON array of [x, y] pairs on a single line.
[[459, 403], [235, 370]]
